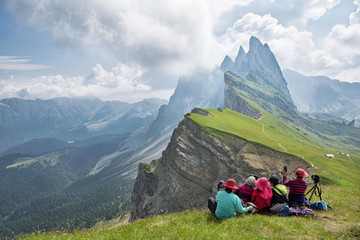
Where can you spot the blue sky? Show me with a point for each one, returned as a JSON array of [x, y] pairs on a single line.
[[130, 50]]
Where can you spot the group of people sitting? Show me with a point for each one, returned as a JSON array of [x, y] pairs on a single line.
[[258, 194]]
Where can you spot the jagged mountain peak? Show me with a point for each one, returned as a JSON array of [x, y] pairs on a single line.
[[240, 57], [227, 64], [254, 42], [261, 57], [259, 65]]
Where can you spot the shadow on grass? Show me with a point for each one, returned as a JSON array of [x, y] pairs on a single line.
[[211, 218]]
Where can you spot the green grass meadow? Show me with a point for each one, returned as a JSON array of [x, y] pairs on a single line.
[[342, 222], [282, 137]]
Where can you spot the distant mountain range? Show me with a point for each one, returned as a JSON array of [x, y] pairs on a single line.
[[320, 94], [70, 119]]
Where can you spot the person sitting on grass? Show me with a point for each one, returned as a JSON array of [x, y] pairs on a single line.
[[245, 190], [297, 187], [279, 191], [262, 194], [227, 204]]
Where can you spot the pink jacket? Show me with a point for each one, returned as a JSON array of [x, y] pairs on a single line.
[[262, 194]]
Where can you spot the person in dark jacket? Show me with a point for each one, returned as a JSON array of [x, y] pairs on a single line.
[[280, 192], [245, 190]]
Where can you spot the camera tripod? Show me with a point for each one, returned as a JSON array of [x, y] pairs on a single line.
[[315, 189]]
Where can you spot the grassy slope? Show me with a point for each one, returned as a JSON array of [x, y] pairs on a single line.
[[276, 134], [341, 222]]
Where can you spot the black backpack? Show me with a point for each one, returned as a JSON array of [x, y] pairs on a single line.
[[279, 198]]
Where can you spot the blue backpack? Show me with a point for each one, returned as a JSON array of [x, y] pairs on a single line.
[[285, 211], [280, 209], [320, 205]]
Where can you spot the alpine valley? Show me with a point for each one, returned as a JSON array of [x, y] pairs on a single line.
[[70, 163]]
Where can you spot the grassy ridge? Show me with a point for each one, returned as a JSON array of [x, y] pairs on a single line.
[[275, 134], [340, 223]]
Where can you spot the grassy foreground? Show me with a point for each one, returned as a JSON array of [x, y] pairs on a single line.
[[343, 222]]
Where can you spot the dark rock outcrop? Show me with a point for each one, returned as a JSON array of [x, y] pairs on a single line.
[[352, 123], [193, 163]]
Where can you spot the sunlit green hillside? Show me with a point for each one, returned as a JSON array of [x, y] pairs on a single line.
[[274, 133]]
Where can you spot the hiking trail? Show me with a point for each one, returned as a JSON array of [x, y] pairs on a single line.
[[268, 136]]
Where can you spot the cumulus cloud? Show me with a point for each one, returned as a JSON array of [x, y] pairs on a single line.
[[295, 12], [121, 83], [18, 63], [310, 10], [342, 50], [171, 37], [314, 9], [290, 45], [355, 16]]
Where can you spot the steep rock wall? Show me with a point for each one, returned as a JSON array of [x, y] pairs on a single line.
[[235, 102], [193, 163]]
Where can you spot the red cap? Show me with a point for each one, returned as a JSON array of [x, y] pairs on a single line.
[[301, 172], [230, 183]]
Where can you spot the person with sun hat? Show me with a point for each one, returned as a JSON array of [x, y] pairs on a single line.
[[297, 187], [262, 194], [227, 203]]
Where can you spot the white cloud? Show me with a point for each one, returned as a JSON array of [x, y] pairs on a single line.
[[171, 37], [290, 46], [122, 77], [295, 12], [355, 16], [121, 83], [317, 8], [341, 53], [343, 41], [19, 64], [314, 10]]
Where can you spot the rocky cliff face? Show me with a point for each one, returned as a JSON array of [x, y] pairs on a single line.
[[235, 102], [193, 163], [239, 91]]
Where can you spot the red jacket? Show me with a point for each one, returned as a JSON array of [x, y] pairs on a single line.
[[259, 201]]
